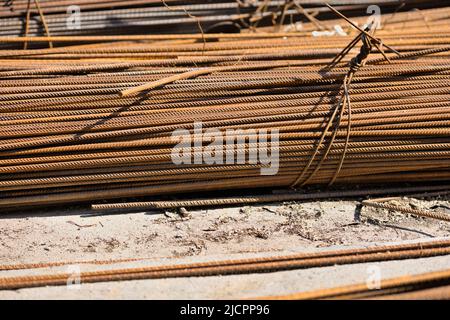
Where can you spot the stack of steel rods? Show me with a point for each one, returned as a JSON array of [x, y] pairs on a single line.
[[76, 125], [143, 17], [115, 17]]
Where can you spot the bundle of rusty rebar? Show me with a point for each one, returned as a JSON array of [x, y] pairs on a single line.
[[89, 122], [37, 17]]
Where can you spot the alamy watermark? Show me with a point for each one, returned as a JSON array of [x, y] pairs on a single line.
[[74, 278], [73, 21], [373, 20], [373, 280], [231, 146]]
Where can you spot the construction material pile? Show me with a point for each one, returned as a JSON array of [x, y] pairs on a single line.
[[110, 16], [114, 17], [89, 122]]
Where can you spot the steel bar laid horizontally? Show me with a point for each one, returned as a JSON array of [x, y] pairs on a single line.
[[431, 285], [18, 18], [227, 267]]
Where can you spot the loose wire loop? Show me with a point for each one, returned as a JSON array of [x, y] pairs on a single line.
[[368, 42], [43, 21], [355, 64]]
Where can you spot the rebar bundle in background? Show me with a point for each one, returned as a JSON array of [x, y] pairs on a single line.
[[144, 17]]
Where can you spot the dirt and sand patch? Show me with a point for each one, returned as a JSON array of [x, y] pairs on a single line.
[[71, 235]]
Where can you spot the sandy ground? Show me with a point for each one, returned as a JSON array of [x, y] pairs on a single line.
[[164, 238]]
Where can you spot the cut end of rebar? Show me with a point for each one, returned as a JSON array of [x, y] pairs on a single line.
[[124, 93]]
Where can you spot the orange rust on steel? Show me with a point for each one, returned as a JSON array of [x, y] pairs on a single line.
[[420, 213], [266, 264], [106, 38], [391, 287], [435, 293], [378, 41], [260, 198], [68, 137], [334, 253], [44, 22]]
